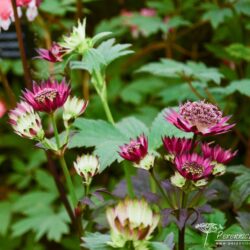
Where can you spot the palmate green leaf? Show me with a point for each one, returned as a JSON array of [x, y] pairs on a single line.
[[239, 51], [148, 25], [217, 16], [96, 241], [92, 61], [158, 246], [240, 187], [174, 69], [242, 86], [105, 137], [243, 7], [111, 51], [46, 222], [137, 90], [160, 127], [33, 202], [180, 92], [5, 217]]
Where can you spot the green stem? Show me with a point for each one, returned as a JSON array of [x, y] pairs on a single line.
[[129, 182], [107, 111], [151, 171], [53, 119], [181, 238], [68, 181]]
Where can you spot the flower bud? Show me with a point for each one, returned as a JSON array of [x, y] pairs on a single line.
[[87, 166], [219, 169], [73, 108], [131, 220], [77, 40], [26, 122]]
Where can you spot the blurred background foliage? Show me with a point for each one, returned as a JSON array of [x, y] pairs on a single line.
[[183, 50]]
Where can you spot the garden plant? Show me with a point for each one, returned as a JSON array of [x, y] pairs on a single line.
[[124, 124]]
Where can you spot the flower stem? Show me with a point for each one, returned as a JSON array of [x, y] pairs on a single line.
[[68, 181], [181, 238], [64, 165], [151, 171], [107, 111], [53, 120], [130, 188]]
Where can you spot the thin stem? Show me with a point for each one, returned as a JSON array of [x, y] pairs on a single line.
[[21, 46], [130, 188], [107, 111], [181, 238], [53, 120], [60, 187], [9, 92], [151, 171], [194, 90], [68, 181]]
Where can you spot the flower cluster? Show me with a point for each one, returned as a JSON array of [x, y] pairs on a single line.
[[204, 119], [7, 14], [48, 96], [131, 220]]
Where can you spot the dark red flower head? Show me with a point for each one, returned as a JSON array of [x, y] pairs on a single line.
[[48, 96], [54, 54], [177, 146], [200, 118], [193, 166], [136, 150], [217, 153]]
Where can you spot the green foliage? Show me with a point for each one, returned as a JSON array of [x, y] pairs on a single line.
[[190, 70], [239, 51], [160, 127], [97, 59], [217, 15], [240, 188]]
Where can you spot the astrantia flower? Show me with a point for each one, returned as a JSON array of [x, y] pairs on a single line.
[[200, 118], [31, 6], [193, 166], [77, 40], [54, 54], [219, 156], [137, 152], [48, 96], [147, 12], [73, 108], [87, 166], [26, 122], [6, 14], [217, 153], [176, 146], [131, 220]]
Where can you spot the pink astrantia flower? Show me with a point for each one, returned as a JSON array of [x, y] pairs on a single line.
[[26, 122], [6, 14], [193, 166], [177, 146], [217, 153], [136, 150], [147, 12], [48, 96], [31, 6], [3, 108], [54, 54], [200, 118]]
